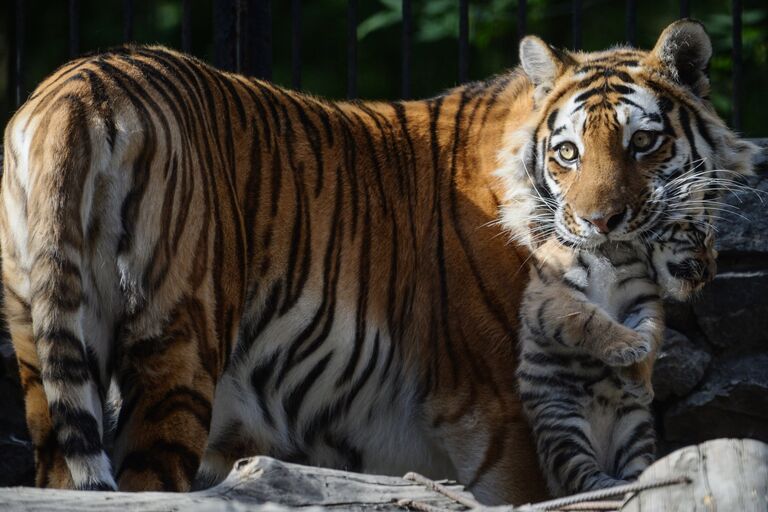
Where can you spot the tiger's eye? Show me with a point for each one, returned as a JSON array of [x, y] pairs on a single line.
[[642, 139], [568, 151]]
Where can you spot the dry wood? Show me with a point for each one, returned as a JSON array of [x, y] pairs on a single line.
[[725, 475], [252, 482]]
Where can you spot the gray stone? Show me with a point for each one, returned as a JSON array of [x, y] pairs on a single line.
[[761, 159], [680, 366], [743, 228], [7, 359], [732, 402], [16, 459], [732, 310], [681, 317]]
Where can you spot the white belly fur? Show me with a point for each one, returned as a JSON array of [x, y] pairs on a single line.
[[383, 423]]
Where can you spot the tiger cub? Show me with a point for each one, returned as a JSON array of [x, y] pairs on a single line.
[[591, 323]]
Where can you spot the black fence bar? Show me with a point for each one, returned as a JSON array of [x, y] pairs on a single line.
[[225, 34], [74, 28], [254, 38], [16, 53], [351, 48], [576, 23], [632, 22], [296, 44], [522, 18], [463, 40], [128, 20], [186, 26], [405, 87], [685, 8], [737, 64]]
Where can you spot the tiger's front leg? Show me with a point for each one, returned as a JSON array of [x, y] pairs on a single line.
[[167, 381]]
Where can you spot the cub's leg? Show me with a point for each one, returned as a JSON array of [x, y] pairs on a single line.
[[633, 444], [167, 381], [566, 445], [646, 319], [557, 312]]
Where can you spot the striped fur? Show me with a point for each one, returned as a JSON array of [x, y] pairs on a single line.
[[261, 271], [613, 227], [591, 324]]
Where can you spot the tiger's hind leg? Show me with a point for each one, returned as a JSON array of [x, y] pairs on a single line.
[[491, 449], [568, 448], [167, 382], [633, 445], [233, 434], [49, 301], [50, 467]]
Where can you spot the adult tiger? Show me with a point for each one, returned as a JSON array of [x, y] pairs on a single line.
[[261, 271]]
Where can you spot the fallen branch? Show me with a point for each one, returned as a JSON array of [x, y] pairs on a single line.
[[726, 474]]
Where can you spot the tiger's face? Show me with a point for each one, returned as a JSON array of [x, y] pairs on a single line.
[[625, 140]]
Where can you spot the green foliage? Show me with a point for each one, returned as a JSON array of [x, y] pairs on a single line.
[[493, 40]]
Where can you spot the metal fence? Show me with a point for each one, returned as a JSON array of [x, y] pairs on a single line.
[[243, 39]]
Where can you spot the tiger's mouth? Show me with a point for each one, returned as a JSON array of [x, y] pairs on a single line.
[[630, 229]]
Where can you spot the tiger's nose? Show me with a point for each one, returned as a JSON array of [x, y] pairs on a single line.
[[606, 223]]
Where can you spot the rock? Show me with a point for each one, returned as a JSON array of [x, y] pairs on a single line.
[[732, 310], [743, 227], [761, 159], [7, 359], [16, 461], [679, 367], [732, 402]]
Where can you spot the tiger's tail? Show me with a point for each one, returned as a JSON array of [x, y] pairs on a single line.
[[59, 322]]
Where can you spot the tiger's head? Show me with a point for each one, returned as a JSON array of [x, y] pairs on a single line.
[[622, 141]]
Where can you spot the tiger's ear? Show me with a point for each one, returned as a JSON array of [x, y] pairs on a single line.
[[542, 63], [684, 49]]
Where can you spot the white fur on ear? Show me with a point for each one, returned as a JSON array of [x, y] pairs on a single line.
[[538, 60], [685, 49]]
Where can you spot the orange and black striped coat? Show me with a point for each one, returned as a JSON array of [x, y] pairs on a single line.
[[263, 272]]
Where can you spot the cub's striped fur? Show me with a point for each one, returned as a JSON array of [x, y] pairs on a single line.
[[259, 271], [591, 324]]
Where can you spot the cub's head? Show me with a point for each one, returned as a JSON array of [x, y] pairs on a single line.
[[623, 141]]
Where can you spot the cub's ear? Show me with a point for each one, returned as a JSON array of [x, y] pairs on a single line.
[[542, 63], [684, 49]]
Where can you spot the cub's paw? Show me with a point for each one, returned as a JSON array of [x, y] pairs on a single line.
[[625, 349], [638, 388]]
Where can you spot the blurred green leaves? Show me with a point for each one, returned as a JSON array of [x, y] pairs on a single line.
[[493, 38]]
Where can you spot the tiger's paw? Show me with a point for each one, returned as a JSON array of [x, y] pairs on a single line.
[[625, 349]]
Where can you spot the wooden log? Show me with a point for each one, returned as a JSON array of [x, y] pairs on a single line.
[[725, 475], [258, 483]]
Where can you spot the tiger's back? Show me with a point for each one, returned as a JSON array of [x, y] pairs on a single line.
[[260, 272]]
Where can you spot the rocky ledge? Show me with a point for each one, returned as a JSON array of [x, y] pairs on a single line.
[[711, 378]]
